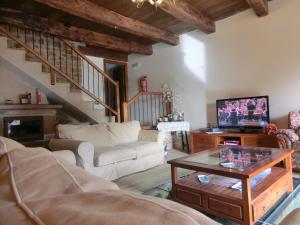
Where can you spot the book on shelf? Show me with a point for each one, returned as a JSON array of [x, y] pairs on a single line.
[[231, 142]]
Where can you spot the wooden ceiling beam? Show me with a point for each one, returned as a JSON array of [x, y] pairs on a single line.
[[90, 11], [20, 19], [187, 13], [103, 53], [260, 7]]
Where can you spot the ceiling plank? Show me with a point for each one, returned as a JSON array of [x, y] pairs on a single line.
[[187, 13], [17, 18], [88, 10], [260, 7]]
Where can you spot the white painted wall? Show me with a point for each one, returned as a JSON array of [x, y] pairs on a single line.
[[12, 85], [246, 56], [170, 65]]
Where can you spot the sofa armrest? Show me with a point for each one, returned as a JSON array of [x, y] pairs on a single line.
[[154, 136], [65, 155], [84, 151], [286, 138]]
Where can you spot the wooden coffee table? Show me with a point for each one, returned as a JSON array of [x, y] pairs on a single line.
[[265, 175]]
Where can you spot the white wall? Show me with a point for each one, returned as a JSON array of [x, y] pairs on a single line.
[[12, 85], [246, 56], [168, 65]]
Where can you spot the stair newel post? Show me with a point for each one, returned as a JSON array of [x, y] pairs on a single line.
[[52, 76], [118, 102], [125, 112]]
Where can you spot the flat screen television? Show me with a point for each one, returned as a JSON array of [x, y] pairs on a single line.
[[243, 113]]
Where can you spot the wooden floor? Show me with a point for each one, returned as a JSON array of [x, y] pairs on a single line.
[[146, 180]]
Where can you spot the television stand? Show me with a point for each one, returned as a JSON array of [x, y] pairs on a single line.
[[245, 131], [201, 141]]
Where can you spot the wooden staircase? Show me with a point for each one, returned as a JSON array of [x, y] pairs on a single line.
[[63, 65]]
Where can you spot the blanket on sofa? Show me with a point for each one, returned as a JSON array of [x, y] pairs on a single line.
[[37, 188]]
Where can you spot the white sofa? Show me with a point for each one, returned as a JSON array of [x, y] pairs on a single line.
[[38, 188], [111, 150]]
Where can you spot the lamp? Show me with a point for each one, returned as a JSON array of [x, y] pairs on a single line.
[[156, 3]]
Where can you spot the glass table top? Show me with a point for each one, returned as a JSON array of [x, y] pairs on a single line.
[[233, 157]]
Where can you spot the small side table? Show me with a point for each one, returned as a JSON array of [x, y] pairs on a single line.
[[177, 126]]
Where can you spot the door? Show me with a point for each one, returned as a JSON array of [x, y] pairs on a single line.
[[118, 71]]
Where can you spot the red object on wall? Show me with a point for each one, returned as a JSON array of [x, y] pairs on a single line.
[[144, 84]]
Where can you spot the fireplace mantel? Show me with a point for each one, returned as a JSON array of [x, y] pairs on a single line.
[[29, 106]]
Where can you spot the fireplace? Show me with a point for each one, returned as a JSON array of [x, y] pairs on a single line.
[[23, 129]]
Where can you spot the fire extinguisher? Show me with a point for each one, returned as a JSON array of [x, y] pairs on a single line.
[[144, 84], [38, 96]]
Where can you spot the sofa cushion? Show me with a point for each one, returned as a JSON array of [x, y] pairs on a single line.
[[109, 155], [135, 150], [146, 148], [123, 133], [97, 134]]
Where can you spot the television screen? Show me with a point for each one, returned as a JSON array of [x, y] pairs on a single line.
[[243, 112]]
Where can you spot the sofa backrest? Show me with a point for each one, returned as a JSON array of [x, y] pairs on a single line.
[[103, 134], [123, 133], [97, 134], [294, 120]]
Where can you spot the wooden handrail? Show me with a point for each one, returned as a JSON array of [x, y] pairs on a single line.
[[152, 93], [90, 62], [64, 75], [126, 105], [134, 98]]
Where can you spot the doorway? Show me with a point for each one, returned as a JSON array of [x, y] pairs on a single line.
[[118, 71]]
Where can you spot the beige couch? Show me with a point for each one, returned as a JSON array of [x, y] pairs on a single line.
[[38, 188], [111, 150]]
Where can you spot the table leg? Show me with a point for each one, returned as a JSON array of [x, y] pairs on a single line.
[[187, 142], [174, 180], [247, 205], [182, 141], [288, 165]]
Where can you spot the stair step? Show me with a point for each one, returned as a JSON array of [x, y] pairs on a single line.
[[98, 106], [31, 57], [3, 42], [19, 54], [13, 45]]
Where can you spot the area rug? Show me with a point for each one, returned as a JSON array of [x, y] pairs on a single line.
[[273, 217], [152, 178], [157, 182]]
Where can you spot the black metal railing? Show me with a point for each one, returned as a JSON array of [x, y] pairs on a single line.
[[145, 107]]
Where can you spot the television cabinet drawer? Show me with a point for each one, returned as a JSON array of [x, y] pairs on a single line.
[[204, 139], [202, 147], [260, 141]]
